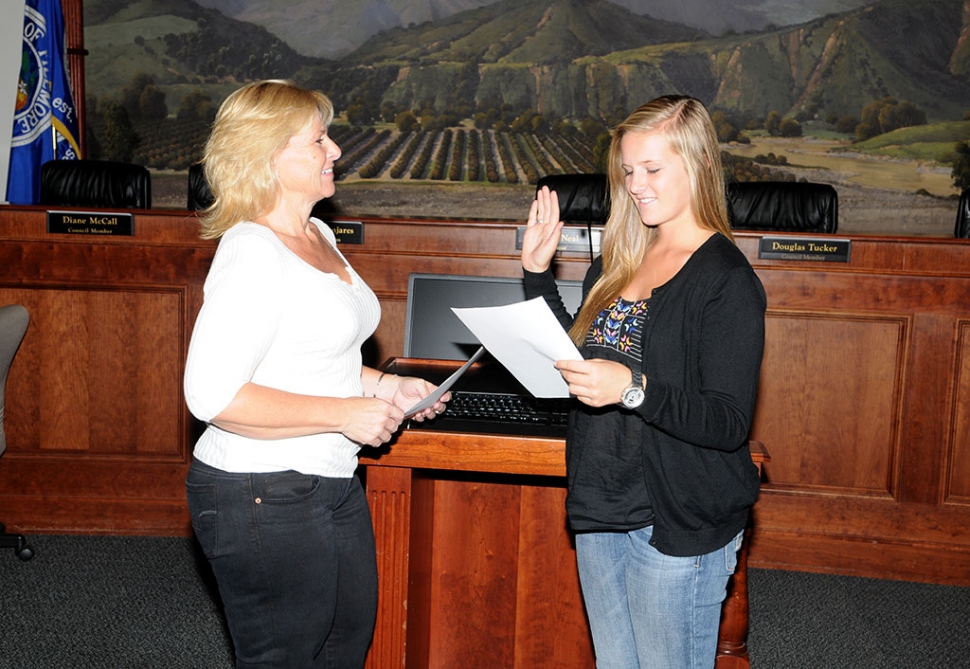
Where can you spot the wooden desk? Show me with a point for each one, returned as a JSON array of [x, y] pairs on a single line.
[[864, 395], [477, 568]]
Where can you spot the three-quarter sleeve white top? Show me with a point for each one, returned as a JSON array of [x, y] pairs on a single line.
[[270, 318]]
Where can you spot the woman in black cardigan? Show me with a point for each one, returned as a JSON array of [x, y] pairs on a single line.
[[671, 327]]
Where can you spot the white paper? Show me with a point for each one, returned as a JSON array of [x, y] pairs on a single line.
[[436, 394], [527, 339]]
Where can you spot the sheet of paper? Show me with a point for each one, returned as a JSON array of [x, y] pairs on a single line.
[[527, 339], [429, 401]]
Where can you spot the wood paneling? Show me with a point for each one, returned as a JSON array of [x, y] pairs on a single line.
[[476, 562], [957, 489], [101, 373], [863, 403], [98, 432], [807, 356], [545, 549]]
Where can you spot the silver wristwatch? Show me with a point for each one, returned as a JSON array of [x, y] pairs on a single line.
[[633, 396]]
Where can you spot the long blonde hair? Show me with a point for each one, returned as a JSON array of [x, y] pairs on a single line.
[[685, 123], [252, 125]]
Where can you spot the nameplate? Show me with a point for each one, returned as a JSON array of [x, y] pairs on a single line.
[[347, 232], [81, 223], [571, 239], [804, 248]]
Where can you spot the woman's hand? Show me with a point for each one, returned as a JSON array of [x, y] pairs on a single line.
[[542, 233], [595, 382], [411, 390], [371, 421]]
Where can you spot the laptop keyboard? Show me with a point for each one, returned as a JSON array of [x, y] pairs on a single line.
[[492, 413]]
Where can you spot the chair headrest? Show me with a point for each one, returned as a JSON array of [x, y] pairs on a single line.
[[95, 183], [583, 198], [962, 229], [783, 206], [200, 197]]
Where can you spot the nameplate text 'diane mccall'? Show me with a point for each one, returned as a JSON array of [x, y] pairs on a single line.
[[90, 223]]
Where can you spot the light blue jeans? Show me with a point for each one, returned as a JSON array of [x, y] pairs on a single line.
[[648, 610]]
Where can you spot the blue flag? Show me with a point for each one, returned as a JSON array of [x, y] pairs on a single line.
[[45, 124]]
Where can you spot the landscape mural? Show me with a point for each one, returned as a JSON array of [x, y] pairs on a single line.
[[455, 108]]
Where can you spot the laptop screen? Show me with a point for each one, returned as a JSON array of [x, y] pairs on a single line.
[[431, 329]]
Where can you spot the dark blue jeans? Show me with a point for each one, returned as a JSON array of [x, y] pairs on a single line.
[[295, 560]]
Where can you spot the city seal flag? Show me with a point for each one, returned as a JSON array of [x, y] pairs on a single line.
[[45, 124]]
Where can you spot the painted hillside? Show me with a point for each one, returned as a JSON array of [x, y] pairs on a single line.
[[505, 91]]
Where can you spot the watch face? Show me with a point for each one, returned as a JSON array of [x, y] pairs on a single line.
[[633, 397]]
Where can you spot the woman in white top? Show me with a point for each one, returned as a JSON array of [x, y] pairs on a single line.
[[275, 370]]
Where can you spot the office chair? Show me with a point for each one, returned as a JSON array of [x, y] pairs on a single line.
[[768, 206], [13, 325], [962, 228], [583, 199], [783, 206], [95, 183], [200, 197]]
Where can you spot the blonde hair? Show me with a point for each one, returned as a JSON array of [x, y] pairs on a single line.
[[685, 123], [252, 125]]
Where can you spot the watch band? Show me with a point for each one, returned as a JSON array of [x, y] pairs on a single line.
[[634, 394]]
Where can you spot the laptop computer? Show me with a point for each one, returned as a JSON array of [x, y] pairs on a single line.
[[487, 398]]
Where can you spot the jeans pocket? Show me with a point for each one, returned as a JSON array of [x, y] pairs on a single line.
[[203, 508], [289, 488], [731, 552], [287, 500]]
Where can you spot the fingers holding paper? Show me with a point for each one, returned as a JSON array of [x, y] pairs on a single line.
[[370, 421], [595, 382], [543, 231], [412, 390]]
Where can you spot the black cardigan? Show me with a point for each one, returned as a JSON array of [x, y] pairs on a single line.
[[703, 341]]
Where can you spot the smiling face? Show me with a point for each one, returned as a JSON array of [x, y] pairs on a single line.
[[656, 178], [304, 166]]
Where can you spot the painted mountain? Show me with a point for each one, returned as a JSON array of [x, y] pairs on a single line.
[[334, 28], [570, 58], [553, 57]]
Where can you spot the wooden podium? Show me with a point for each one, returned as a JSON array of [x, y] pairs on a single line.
[[477, 568]]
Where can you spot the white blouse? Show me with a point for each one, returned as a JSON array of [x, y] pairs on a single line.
[[271, 318]]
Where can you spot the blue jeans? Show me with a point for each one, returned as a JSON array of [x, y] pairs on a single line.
[[296, 565], [648, 610]]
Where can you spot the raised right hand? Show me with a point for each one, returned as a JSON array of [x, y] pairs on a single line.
[[542, 233]]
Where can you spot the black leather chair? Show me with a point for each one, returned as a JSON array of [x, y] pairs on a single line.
[[783, 206], [200, 197], [769, 206], [962, 228], [13, 326], [583, 198], [95, 183]]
